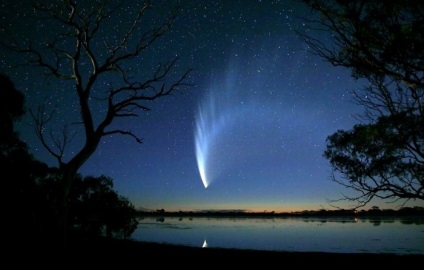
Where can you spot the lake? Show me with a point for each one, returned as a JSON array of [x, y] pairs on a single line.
[[316, 234]]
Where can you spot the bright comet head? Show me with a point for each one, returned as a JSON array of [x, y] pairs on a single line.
[[201, 166]]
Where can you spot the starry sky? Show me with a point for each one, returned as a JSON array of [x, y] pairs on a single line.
[[255, 121]]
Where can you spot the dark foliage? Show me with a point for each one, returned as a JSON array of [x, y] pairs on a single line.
[[11, 109], [26, 216], [32, 192], [97, 209], [374, 161], [383, 43]]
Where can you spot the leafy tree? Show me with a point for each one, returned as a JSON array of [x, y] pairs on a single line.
[[97, 209], [11, 110], [31, 189], [381, 42], [75, 53], [373, 160], [24, 215]]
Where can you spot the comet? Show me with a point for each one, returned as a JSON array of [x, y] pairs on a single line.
[[214, 115], [229, 124], [208, 126]]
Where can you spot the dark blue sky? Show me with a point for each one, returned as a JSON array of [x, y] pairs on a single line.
[[262, 107]]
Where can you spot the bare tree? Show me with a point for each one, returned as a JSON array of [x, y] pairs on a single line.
[[75, 54], [383, 43]]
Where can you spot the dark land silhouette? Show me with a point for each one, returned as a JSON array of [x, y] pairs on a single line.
[[373, 212], [117, 252]]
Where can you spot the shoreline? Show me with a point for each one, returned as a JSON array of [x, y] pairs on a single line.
[[107, 252], [131, 248]]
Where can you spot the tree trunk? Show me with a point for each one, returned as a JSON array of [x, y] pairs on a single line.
[[67, 178]]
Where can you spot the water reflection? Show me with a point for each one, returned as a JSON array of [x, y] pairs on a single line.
[[161, 219], [350, 235], [205, 244], [373, 220]]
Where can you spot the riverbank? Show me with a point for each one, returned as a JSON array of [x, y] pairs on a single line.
[[105, 252], [126, 251]]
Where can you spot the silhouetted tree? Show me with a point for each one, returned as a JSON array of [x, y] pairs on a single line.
[[25, 218], [11, 110], [376, 159], [383, 43], [77, 53], [97, 209]]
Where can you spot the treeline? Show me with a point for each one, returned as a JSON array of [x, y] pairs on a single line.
[[33, 191], [375, 211]]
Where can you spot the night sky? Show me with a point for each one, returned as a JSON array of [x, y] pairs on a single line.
[[258, 114]]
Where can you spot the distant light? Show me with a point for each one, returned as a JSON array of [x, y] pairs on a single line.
[[205, 244]]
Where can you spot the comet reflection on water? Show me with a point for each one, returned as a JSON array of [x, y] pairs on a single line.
[[297, 234]]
